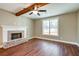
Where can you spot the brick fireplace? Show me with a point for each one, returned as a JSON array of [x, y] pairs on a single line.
[[13, 35]]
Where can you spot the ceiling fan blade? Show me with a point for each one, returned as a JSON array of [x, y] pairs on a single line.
[[42, 10], [30, 13], [38, 14]]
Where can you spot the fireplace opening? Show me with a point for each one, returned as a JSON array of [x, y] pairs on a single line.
[[16, 36]]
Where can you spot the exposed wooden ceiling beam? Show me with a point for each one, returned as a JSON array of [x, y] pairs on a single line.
[[30, 8]]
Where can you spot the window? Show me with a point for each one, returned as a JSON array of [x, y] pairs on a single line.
[[45, 27], [50, 27]]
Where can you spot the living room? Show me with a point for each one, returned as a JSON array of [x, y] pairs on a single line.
[[39, 29]]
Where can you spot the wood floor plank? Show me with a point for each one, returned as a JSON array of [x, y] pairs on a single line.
[[39, 47]]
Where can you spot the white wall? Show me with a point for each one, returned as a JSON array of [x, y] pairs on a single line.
[[67, 28], [77, 27], [7, 18]]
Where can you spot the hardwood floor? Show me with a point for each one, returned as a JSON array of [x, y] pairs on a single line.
[[38, 47]]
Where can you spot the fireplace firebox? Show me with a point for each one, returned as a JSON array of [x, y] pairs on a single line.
[[12, 35], [16, 36]]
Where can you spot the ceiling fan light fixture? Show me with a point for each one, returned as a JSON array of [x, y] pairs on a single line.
[[35, 12]]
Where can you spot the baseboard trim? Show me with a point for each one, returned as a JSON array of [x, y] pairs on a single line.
[[73, 43]]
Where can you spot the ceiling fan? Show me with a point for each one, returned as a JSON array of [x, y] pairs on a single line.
[[36, 11]]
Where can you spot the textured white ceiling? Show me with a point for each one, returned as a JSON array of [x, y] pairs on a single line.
[[52, 9], [55, 9], [14, 7]]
